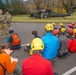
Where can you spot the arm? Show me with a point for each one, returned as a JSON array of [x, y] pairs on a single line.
[[9, 39], [58, 43], [3, 18], [10, 66]]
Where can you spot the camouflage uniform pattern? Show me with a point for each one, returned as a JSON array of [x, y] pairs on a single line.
[[8, 20], [1, 24]]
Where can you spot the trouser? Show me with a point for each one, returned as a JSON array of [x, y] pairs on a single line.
[[5, 28], [1, 28], [17, 47], [17, 71], [8, 25], [62, 54]]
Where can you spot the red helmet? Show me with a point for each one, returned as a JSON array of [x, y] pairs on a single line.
[[70, 30], [73, 23], [74, 26], [70, 25], [55, 32]]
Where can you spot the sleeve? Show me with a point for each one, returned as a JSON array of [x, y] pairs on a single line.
[[8, 39], [3, 18], [50, 69], [10, 66], [58, 43]]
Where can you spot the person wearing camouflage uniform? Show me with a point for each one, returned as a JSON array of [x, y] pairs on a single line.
[[2, 25], [8, 19]]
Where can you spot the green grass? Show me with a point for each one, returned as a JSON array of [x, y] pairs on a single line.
[[25, 18]]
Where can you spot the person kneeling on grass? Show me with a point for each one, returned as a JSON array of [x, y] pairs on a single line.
[[36, 64], [14, 39]]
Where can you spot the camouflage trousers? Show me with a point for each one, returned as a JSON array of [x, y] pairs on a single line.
[[8, 25], [17, 71], [3, 27]]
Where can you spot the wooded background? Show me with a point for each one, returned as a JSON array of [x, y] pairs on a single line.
[[20, 7]]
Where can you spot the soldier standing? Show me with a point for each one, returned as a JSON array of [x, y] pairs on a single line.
[[1, 23], [8, 19]]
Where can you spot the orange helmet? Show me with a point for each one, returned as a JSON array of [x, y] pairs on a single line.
[[70, 30], [74, 26], [55, 32], [73, 23], [70, 25]]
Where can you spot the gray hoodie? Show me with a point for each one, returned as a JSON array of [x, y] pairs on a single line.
[[63, 43]]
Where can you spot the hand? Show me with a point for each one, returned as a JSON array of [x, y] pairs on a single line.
[[28, 44], [15, 59], [12, 59]]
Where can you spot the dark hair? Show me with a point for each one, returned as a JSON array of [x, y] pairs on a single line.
[[34, 32], [11, 30], [6, 46], [1, 46]]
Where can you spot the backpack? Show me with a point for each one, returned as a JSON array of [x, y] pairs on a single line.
[[15, 39]]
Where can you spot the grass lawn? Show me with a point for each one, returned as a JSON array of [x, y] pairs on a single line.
[[25, 18]]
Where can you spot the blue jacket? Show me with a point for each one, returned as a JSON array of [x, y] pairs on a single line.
[[51, 46]]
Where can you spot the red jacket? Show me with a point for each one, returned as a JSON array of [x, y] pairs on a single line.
[[69, 43], [36, 65], [73, 46]]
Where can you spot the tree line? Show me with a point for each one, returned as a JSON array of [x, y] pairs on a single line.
[[18, 7], [15, 7]]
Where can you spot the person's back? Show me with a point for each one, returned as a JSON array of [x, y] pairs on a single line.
[[70, 40], [51, 46], [51, 43], [14, 39], [73, 46], [63, 50], [63, 43], [37, 65]]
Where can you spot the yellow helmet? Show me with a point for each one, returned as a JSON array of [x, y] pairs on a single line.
[[74, 31], [53, 24], [63, 30], [61, 24], [49, 27], [37, 44]]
